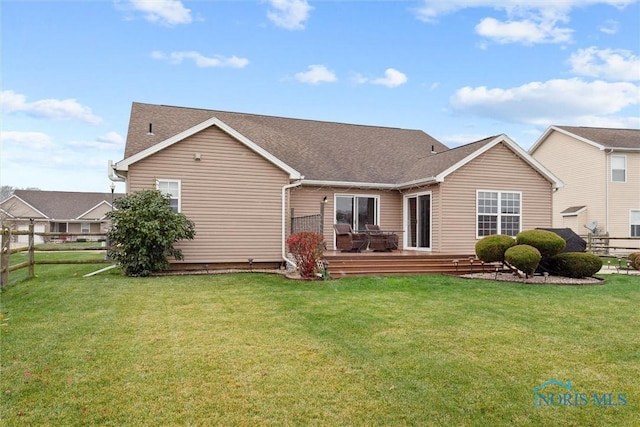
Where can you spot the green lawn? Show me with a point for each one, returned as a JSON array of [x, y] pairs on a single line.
[[251, 349]]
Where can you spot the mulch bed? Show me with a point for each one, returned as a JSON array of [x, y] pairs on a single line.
[[535, 280]]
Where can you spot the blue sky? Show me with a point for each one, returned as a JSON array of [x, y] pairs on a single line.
[[460, 70]]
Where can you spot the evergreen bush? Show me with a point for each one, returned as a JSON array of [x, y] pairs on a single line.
[[523, 257], [492, 248], [575, 264], [547, 242], [634, 260]]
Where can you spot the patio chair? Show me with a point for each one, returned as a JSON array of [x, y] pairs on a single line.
[[349, 241], [380, 240]]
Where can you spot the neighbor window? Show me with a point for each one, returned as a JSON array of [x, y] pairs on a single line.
[[618, 169], [634, 222], [172, 188], [85, 227], [498, 213]]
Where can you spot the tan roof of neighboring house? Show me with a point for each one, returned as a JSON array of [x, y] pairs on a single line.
[[604, 138], [63, 205]]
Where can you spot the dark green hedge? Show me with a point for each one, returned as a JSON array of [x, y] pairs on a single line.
[[575, 264], [547, 242], [523, 257], [492, 248]]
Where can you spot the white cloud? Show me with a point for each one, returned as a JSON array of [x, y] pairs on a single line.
[[316, 74], [392, 78], [526, 31], [553, 101], [29, 140], [165, 12], [201, 60], [110, 141], [610, 64], [289, 14], [65, 109], [609, 27], [528, 21]]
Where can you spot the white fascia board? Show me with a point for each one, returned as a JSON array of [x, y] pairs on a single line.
[[123, 165], [567, 133], [348, 184], [557, 183], [418, 183], [6, 213]]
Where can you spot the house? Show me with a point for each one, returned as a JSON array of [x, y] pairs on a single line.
[[239, 176], [600, 168], [57, 212]]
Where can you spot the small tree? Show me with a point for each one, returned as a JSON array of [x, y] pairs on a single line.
[[143, 231], [306, 247]]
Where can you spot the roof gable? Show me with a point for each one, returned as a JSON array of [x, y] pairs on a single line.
[[323, 153], [601, 138]]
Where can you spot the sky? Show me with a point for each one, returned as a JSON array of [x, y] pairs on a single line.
[[460, 70]]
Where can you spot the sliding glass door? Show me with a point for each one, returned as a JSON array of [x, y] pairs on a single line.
[[357, 211], [418, 221]]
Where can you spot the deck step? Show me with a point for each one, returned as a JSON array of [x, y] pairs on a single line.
[[372, 264]]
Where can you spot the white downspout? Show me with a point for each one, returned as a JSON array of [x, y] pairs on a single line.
[[284, 224], [113, 175]]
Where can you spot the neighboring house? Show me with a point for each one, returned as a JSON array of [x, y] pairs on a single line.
[[600, 168], [57, 212], [238, 176]]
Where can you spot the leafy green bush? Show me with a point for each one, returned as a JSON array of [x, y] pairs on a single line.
[[547, 242], [523, 257], [492, 248], [575, 264], [143, 231], [306, 247]]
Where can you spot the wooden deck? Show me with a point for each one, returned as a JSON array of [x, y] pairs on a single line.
[[369, 263]]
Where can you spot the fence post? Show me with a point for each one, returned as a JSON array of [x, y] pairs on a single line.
[[4, 256], [31, 258]]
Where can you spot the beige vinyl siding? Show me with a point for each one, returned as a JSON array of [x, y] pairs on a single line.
[[499, 169], [306, 201], [623, 197], [582, 168], [18, 209], [232, 194]]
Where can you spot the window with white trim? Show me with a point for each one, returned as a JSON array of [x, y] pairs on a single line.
[[172, 188], [498, 212], [634, 223], [85, 227], [618, 168]]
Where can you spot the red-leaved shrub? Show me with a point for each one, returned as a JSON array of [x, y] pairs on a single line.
[[306, 247]]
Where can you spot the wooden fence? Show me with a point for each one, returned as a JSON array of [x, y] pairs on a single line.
[[6, 251], [603, 244]]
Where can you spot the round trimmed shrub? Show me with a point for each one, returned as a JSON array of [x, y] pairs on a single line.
[[492, 248], [575, 264], [634, 259], [523, 257], [547, 242]]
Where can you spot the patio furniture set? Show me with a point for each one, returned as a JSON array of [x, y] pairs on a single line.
[[372, 238]]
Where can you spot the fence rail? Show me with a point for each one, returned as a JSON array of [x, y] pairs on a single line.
[[603, 244], [6, 251]]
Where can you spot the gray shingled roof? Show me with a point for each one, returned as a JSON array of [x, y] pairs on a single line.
[[326, 151], [607, 137], [63, 205]]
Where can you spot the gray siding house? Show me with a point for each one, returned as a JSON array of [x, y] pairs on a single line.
[[239, 176]]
